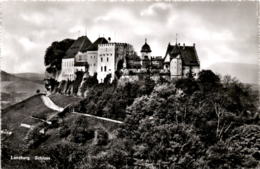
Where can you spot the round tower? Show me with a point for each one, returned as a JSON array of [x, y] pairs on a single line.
[[146, 51]]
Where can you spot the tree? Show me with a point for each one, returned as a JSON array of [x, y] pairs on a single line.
[[207, 76], [208, 80], [187, 85], [77, 81], [107, 79], [55, 53], [51, 84]]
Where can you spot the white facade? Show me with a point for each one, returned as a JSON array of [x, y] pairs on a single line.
[[106, 63], [109, 57], [80, 57], [176, 67], [67, 66], [92, 59]]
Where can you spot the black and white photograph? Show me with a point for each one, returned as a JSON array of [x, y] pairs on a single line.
[[129, 84]]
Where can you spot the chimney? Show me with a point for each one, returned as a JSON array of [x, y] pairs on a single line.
[[194, 44], [109, 39], [183, 46], [179, 44]]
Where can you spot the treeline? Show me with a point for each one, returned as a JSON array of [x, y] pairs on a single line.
[[203, 123], [209, 122]]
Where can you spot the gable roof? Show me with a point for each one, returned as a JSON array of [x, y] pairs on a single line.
[[188, 54], [86, 45], [79, 44], [94, 46]]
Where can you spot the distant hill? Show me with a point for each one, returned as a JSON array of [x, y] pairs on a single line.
[[15, 89], [246, 73], [36, 77]]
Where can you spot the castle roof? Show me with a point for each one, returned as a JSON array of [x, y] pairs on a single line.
[[188, 54], [94, 46], [77, 46], [146, 48]]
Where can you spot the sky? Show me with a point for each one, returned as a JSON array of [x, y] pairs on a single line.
[[222, 31]]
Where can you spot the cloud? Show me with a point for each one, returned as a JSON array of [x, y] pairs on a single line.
[[155, 8], [27, 43]]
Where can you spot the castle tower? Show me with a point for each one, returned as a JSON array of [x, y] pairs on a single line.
[[146, 51]]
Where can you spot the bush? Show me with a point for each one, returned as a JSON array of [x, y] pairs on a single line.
[[102, 137], [64, 131], [34, 138]]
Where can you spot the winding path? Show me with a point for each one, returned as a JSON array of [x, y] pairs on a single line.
[[49, 103], [97, 117]]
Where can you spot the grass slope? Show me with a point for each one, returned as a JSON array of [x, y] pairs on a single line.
[[14, 115], [22, 112], [63, 101]]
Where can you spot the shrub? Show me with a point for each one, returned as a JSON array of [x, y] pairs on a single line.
[[35, 138], [64, 131], [102, 137]]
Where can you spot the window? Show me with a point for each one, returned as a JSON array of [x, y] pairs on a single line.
[[105, 68], [94, 64], [101, 68], [101, 59], [107, 59]]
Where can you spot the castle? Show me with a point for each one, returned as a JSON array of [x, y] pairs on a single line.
[[108, 58]]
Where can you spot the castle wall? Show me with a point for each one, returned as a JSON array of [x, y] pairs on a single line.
[[195, 71]]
